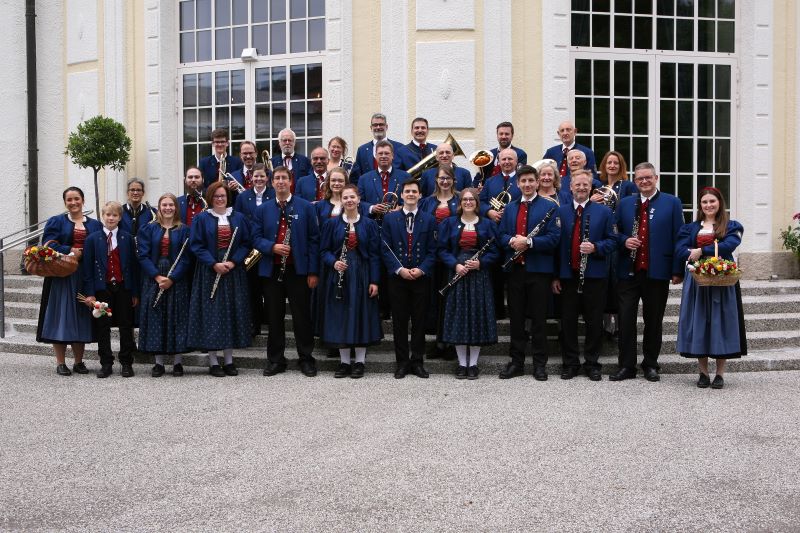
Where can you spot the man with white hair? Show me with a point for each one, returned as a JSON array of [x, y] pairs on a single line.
[[298, 164], [567, 132]]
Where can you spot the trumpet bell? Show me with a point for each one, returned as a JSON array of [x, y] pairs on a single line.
[[390, 199], [481, 158], [430, 161], [610, 197]]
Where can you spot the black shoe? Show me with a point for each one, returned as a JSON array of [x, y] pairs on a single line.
[[177, 370], [230, 369], [105, 371], [623, 373], [216, 371], [539, 373], [570, 372], [472, 372], [594, 374], [158, 371], [651, 374], [358, 371], [402, 370], [63, 370], [80, 368], [512, 370], [274, 368], [343, 371], [386, 316], [703, 381], [718, 382], [308, 368], [419, 370], [461, 372], [127, 371]]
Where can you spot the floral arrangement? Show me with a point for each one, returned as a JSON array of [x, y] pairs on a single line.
[[99, 309], [714, 266], [791, 236], [41, 253]]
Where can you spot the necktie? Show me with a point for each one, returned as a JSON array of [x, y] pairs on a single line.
[[385, 181], [563, 169], [287, 162], [505, 182], [422, 147], [109, 243], [575, 259], [320, 183], [248, 180], [410, 231]]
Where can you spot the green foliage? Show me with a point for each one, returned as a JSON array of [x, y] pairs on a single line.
[[99, 142], [791, 236]]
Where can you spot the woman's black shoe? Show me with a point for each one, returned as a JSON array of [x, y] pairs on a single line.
[[158, 371], [703, 382], [62, 370], [358, 371], [80, 368], [718, 382], [343, 371], [230, 370], [472, 372], [216, 371], [461, 372], [177, 370]]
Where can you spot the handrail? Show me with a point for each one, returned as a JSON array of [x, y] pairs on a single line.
[[4, 237]]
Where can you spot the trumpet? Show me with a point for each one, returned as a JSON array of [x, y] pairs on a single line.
[[223, 167], [500, 201], [266, 160], [390, 200], [610, 197], [230, 179], [252, 258]]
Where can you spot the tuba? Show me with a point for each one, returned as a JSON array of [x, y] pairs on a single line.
[[430, 161]]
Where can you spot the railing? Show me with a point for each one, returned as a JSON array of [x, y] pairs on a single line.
[[31, 232]]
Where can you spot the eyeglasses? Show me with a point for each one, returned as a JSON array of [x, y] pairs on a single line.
[[220, 142], [444, 178], [136, 190], [220, 196], [378, 125], [644, 178], [467, 200]]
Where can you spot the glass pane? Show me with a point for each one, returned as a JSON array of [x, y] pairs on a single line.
[[204, 89], [314, 125], [640, 111], [260, 39], [204, 124], [601, 30], [204, 45], [278, 120], [684, 39], [666, 183], [239, 40], [187, 47], [704, 180], [583, 73], [316, 34], [222, 13], [722, 87], [189, 90], [725, 37], [262, 121], [668, 80], [601, 144], [623, 146], [705, 119], [315, 80], [705, 150], [623, 31], [203, 13], [580, 5], [237, 122], [667, 155], [601, 5], [622, 115], [300, 146], [639, 150], [316, 8], [685, 80], [222, 118], [298, 82], [297, 34], [623, 6], [705, 35], [259, 10], [685, 8], [685, 155], [686, 191], [685, 118], [722, 155], [601, 80], [643, 34], [665, 30], [189, 155], [222, 44], [705, 8], [622, 78], [726, 9], [237, 87], [190, 125], [580, 30], [644, 7], [262, 85], [277, 39], [640, 79], [666, 7], [722, 113], [705, 81], [187, 15], [723, 183], [221, 83], [667, 117], [239, 12], [278, 83], [297, 9], [583, 114], [602, 113], [277, 10]]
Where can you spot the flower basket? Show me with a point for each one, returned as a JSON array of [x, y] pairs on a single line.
[[46, 262], [714, 271]]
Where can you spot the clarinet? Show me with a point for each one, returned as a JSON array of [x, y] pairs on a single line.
[[534, 232], [343, 259], [584, 257], [458, 276], [224, 259], [635, 232], [286, 239], [171, 269]]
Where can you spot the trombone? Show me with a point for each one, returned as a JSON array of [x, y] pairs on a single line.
[[430, 161]]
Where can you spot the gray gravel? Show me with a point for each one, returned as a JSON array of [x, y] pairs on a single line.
[[290, 453]]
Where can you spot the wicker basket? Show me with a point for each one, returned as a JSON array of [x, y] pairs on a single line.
[[61, 265], [723, 280]]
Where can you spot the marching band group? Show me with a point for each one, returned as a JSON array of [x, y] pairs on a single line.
[[402, 232]]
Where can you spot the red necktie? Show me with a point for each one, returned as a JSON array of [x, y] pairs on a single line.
[[496, 167], [109, 244], [575, 260], [563, 169], [320, 182], [287, 162], [248, 180], [385, 181], [643, 254], [522, 225], [422, 149]]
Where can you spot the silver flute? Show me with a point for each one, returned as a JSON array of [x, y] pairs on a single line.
[[584, 257], [534, 232], [171, 270], [224, 259], [458, 276]]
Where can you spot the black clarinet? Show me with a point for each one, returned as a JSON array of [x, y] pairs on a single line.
[[458, 276], [343, 259], [286, 239], [635, 232], [534, 232], [584, 257]]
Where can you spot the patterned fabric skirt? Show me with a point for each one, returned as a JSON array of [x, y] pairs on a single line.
[[62, 318], [469, 308], [354, 319], [711, 322], [222, 322], [163, 329]]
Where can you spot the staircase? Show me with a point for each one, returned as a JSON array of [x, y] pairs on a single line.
[[772, 317]]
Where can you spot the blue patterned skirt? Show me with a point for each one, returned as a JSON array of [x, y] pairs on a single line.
[[163, 329], [62, 318], [223, 322], [354, 320], [469, 308]]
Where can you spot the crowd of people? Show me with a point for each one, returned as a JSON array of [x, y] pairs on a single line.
[[351, 242]]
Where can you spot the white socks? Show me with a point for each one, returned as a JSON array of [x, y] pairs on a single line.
[[228, 353], [344, 354], [212, 358], [461, 352], [474, 352], [361, 355]]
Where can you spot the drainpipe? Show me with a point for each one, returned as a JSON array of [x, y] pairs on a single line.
[[33, 130]]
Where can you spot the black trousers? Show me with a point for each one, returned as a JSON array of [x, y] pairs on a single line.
[[527, 296], [653, 294], [119, 300], [257, 309], [409, 301], [591, 305], [295, 288]]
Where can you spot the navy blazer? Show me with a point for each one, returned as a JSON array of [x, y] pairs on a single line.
[[208, 166], [306, 187], [666, 219], [430, 203], [492, 188], [624, 188], [324, 209], [687, 238], [365, 160], [304, 239], [203, 238], [540, 257], [59, 228], [556, 153], [601, 234], [95, 263], [147, 215], [395, 242], [246, 202], [369, 243], [427, 181], [301, 165], [450, 231], [183, 206], [484, 173], [149, 248], [370, 187], [410, 154]]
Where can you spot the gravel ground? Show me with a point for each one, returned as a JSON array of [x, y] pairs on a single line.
[[290, 453]]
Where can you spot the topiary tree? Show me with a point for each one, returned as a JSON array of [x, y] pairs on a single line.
[[97, 143]]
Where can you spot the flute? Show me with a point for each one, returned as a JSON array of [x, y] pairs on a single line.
[[343, 259], [171, 269], [286, 239], [458, 276], [635, 232], [584, 257], [224, 259], [534, 232]]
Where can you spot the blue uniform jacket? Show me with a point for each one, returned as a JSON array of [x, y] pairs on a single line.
[[666, 219], [149, 244], [147, 215], [369, 243], [95, 263], [59, 228], [430, 203], [304, 239], [324, 208], [208, 166], [423, 243], [203, 238], [484, 173], [301, 165], [556, 153], [450, 234], [540, 257], [183, 206], [427, 182], [365, 160], [370, 188], [246, 202], [306, 187], [410, 154], [601, 234], [492, 188], [687, 238]]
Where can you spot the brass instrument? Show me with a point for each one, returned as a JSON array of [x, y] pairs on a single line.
[[252, 258], [347, 164], [223, 167], [224, 259], [500, 201], [430, 161], [200, 198], [584, 257], [230, 179], [610, 197], [266, 160], [481, 158]]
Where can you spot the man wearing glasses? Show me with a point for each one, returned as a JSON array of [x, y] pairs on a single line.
[[209, 165], [136, 212], [647, 263], [366, 160], [444, 155]]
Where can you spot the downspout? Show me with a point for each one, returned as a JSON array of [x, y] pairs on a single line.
[[33, 129]]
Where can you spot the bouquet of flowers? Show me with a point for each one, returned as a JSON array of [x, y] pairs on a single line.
[[42, 260], [99, 309], [715, 271], [791, 236]]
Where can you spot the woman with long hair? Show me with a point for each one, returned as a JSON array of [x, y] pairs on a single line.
[[337, 151]]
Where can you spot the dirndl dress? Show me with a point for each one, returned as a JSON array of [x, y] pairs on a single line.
[[163, 329]]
